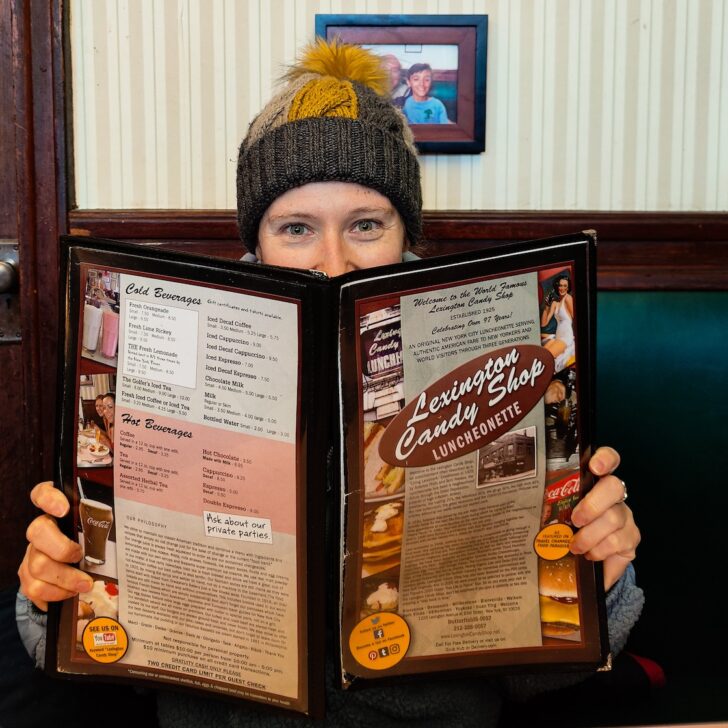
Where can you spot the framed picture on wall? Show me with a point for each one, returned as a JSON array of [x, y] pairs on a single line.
[[437, 66]]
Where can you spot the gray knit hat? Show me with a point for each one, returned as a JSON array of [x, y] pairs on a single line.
[[333, 121]]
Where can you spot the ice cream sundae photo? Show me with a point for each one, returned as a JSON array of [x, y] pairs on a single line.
[[101, 601]]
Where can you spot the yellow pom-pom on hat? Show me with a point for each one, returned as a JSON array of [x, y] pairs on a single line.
[[343, 61]]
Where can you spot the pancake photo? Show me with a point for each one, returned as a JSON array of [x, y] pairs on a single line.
[[382, 537]]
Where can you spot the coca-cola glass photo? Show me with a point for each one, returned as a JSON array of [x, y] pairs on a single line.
[[96, 521]]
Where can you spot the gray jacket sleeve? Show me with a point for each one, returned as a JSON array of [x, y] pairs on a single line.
[[624, 606], [32, 628]]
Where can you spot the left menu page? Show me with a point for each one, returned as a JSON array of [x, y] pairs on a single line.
[[186, 493]]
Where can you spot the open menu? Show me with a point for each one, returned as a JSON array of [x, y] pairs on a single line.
[[230, 430]]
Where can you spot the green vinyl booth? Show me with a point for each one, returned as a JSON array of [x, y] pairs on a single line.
[[662, 400]]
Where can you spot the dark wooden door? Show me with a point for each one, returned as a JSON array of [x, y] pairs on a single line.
[[32, 214]]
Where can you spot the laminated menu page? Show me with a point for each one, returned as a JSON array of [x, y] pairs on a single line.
[[185, 454], [467, 432], [228, 431]]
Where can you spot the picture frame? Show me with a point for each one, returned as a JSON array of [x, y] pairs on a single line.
[[450, 49]]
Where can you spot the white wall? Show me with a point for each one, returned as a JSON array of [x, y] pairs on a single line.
[[591, 104]]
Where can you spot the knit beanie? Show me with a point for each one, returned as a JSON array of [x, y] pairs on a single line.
[[332, 121]]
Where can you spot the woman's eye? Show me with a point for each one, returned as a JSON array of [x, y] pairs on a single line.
[[366, 226], [296, 229]]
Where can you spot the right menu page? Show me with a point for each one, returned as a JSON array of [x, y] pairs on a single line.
[[467, 436]]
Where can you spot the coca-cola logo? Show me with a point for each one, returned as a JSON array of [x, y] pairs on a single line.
[[562, 489], [97, 523], [469, 407]]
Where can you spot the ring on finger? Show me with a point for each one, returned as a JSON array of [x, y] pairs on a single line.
[[624, 493]]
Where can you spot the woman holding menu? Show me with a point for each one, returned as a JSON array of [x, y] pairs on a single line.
[[328, 180]]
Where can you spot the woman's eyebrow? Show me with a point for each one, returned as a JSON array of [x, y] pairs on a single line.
[[292, 213], [373, 210]]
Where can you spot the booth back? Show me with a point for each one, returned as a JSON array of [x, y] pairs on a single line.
[[662, 402]]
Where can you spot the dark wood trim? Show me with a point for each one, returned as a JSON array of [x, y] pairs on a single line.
[[42, 217], [637, 250], [22, 73], [612, 226], [155, 224]]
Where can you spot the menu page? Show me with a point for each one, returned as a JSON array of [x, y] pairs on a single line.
[[488, 514], [187, 506], [468, 467]]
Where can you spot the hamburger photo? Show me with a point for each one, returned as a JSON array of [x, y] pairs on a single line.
[[559, 598]]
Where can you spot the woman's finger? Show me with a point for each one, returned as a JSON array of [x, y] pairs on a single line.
[[614, 534], [45, 536], [39, 591], [63, 576], [606, 492], [49, 499], [604, 461], [601, 528]]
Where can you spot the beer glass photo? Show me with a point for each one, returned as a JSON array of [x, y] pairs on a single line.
[[96, 520]]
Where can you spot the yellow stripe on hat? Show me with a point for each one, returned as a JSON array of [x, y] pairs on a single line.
[[325, 96]]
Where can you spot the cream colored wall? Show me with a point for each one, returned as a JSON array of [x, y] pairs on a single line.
[[591, 104]]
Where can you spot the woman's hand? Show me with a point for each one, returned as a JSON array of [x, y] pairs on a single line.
[[607, 532], [45, 572], [548, 311], [104, 439]]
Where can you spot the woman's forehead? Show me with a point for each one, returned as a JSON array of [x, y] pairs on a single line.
[[327, 196]]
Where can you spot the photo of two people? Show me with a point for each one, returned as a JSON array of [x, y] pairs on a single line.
[[423, 80]]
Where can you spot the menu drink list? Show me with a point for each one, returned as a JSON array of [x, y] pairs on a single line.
[[446, 482], [194, 400], [205, 590]]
